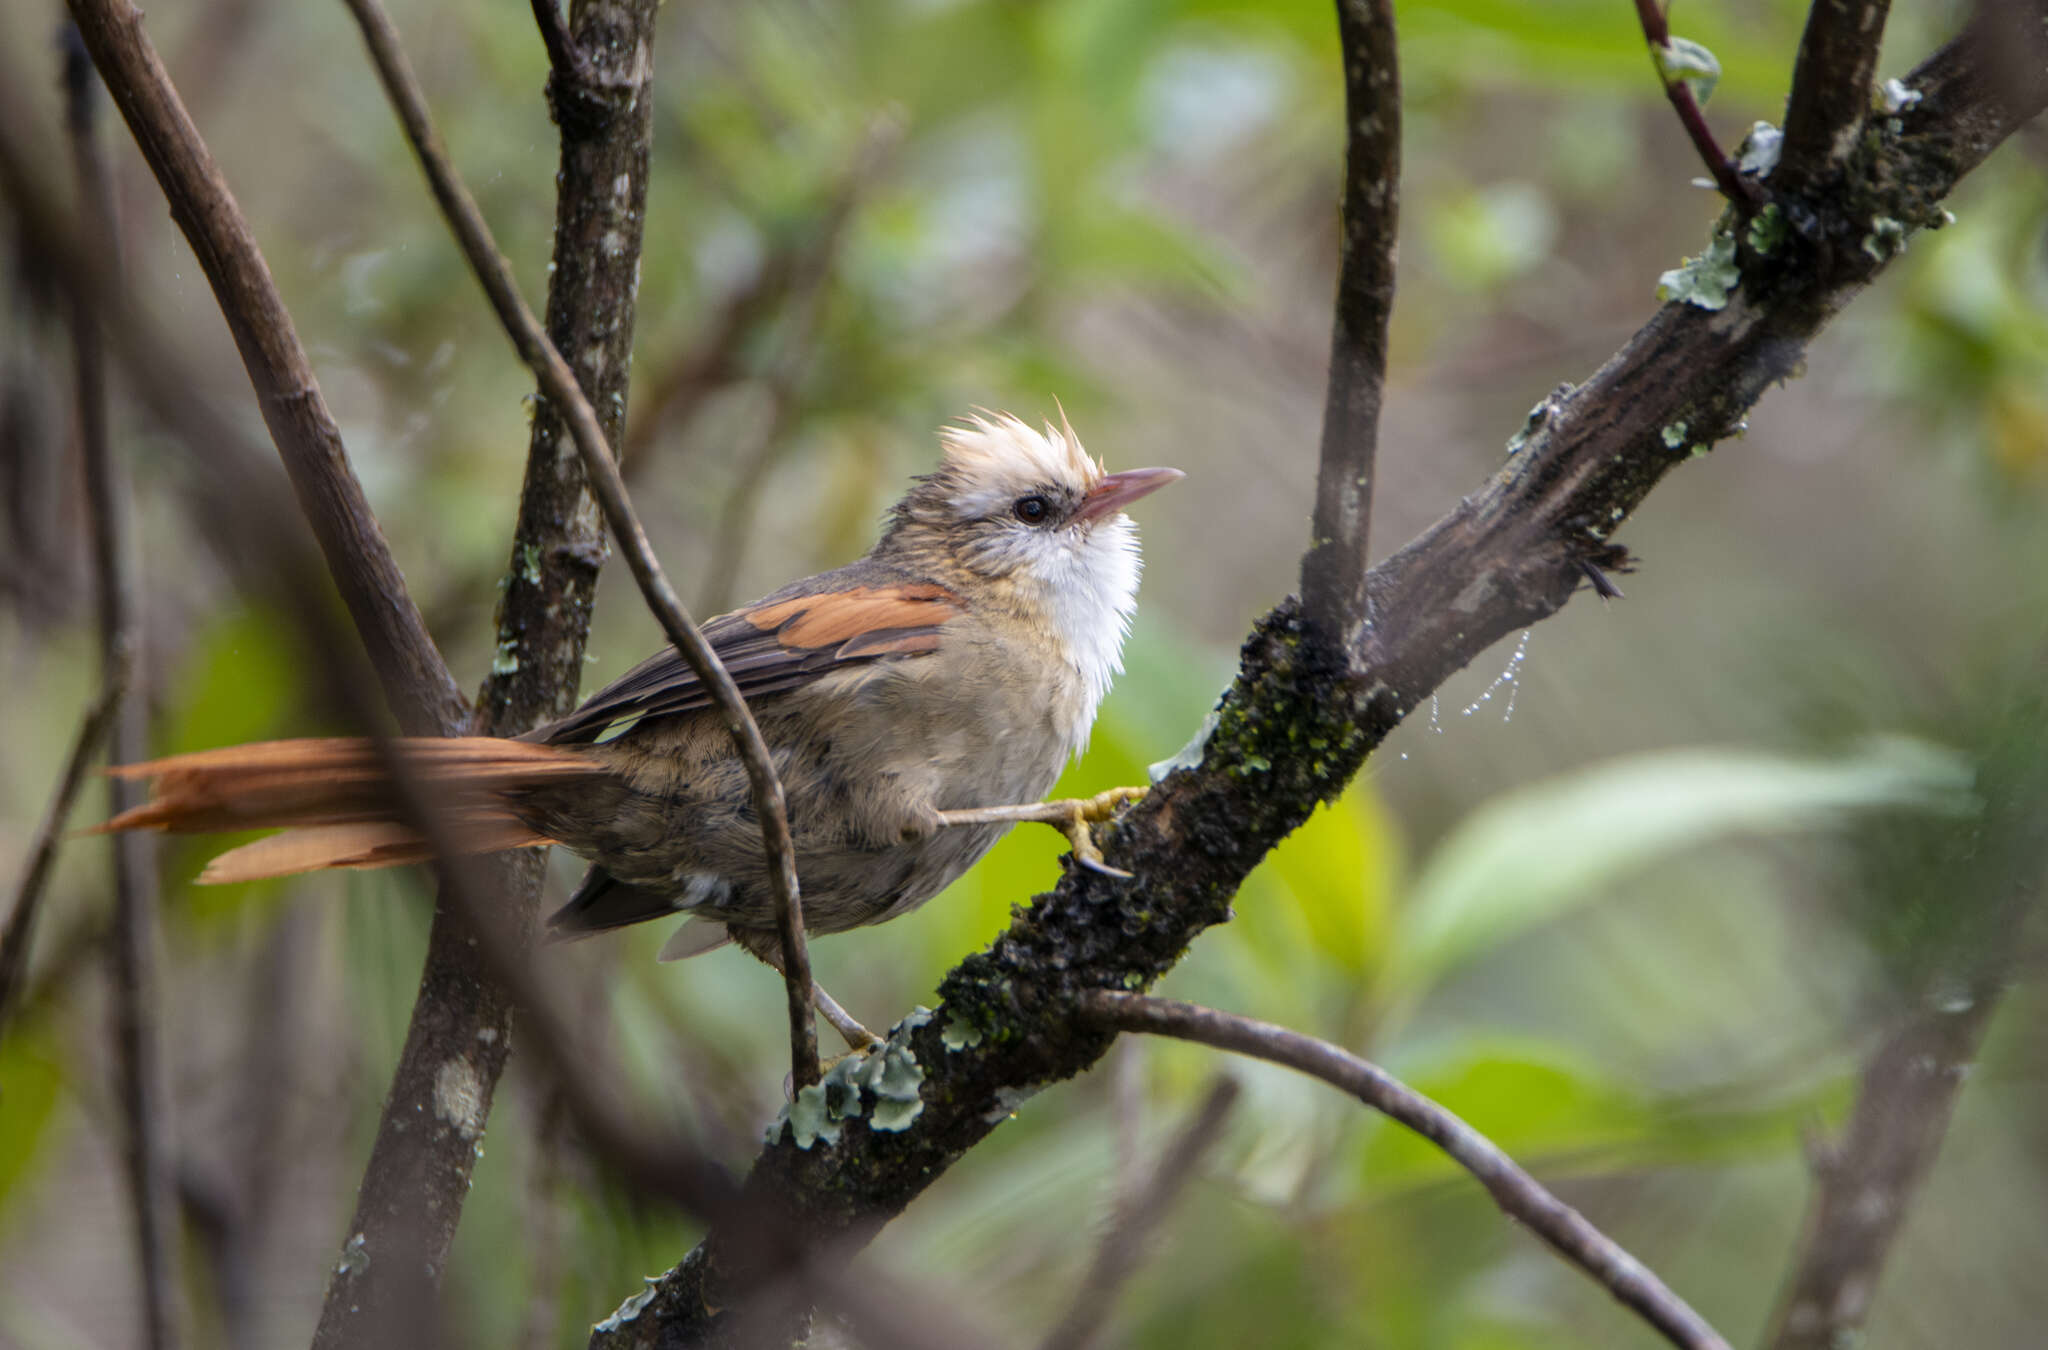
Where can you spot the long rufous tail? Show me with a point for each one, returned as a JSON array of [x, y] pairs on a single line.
[[332, 799]]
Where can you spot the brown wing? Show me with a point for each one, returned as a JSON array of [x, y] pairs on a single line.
[[851, 616]]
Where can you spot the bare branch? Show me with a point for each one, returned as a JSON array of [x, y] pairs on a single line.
[[416, 681], [1333, 589], [1520, 1196], [1866, 1182], [136, 1014], [1831, 88], [1743, 193], [18, 937], [560, 384], [1123, 1245]]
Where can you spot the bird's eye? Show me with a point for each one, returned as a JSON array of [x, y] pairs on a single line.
[[1032, 510]]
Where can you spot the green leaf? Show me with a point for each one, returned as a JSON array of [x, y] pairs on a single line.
[[31, 1073], [1530, 1097], [1530, 856], [1691, 64]]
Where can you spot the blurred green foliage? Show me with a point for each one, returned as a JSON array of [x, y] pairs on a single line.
[[1641, 935]]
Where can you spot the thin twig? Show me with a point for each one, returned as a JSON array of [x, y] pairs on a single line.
[[18, 937], [560, 384], [416, 681], [132, 952], [1831, 87], [1123, 1244], [1865, 1183], [1333, 570], [1519, 1195], [1740, 191]]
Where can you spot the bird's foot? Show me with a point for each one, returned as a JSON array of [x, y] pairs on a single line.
[[1071, 816]]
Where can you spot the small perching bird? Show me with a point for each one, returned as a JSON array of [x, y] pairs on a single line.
[[915, 702]]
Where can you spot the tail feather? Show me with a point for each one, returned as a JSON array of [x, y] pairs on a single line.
[[333, 800]]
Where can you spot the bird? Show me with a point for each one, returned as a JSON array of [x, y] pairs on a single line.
[[915, 703]]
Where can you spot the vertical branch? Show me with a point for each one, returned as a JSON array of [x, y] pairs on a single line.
[[1831, 86], [411, 1195], [416, 681], [1866, 1181], [1333, 570], [1140, 1213], [559, 382], [138, 1065]]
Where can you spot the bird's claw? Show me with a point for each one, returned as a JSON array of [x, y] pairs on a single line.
[[1071, 816]]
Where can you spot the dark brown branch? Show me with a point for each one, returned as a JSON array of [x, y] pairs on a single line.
[[17, 939], [1866, 1181], [416, 681], [1123, 1245], [1832, 84], [417, 1178], [1741, 192], [1520, 1196], [559, 382], [1333, 588], [1292, 730], [132, 952]]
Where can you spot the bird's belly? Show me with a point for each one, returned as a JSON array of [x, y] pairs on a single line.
[[861, 775]]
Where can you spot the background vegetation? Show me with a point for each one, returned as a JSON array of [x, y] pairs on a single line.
[[1636, 898]]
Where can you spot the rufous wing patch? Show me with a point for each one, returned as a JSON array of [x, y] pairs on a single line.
[[862, 612]]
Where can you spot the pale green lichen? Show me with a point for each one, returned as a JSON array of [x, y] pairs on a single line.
[[630, 1309], [1895, 97], [506, 662], [959, 1035], [881, 1083], [1189, 755], [1706, 280], [1768, 230], [529, 564], [1674, 436], [1887, 236]]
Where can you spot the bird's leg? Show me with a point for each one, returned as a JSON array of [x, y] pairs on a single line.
[[769, 950], [856, 1036], [1071, 816]]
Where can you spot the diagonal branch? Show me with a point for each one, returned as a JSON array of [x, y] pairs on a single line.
[[1295, 727], [1831, 89], [417, 685], [559, 382], [1520, 1196], [17, 934], [1868, 1179], [1333, 590], [1123, 1245]]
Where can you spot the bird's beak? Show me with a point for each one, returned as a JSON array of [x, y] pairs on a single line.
[[1118, 490]]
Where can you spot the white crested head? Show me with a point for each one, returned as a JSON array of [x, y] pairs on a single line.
[[1032, 510]]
